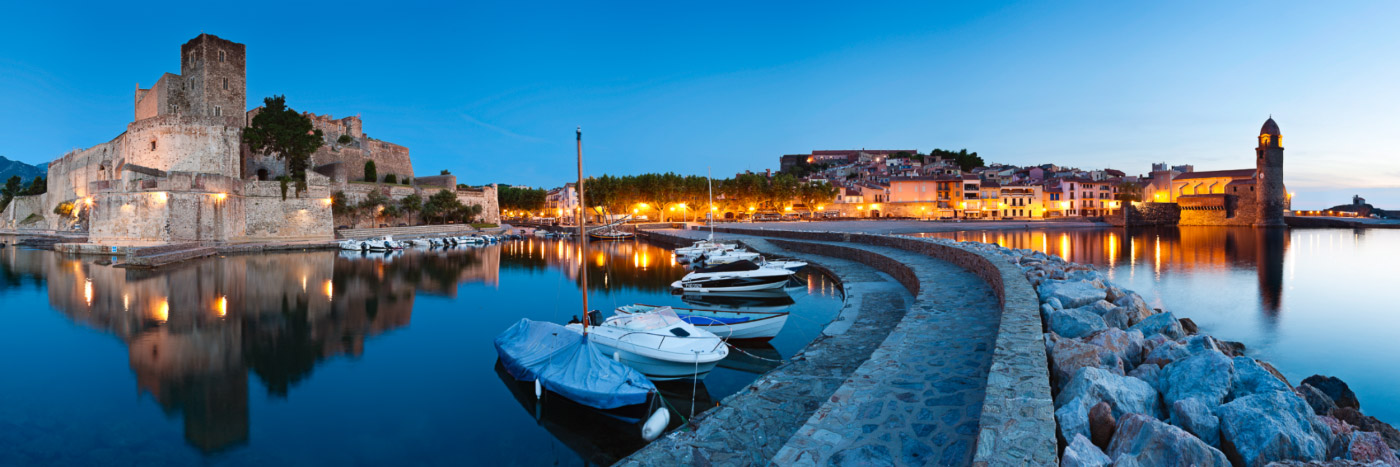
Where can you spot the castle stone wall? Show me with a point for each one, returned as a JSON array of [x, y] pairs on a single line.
[[69, 176], [186, 144], [21, 207], [1218, 210]]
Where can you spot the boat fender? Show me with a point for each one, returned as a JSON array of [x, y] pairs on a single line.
[[538, 390], [617, 356], [656, 424]]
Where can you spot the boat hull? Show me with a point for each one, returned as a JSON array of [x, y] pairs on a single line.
[[732, 284], [656, 369]]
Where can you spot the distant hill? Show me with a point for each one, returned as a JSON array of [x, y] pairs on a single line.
[[25, 171]]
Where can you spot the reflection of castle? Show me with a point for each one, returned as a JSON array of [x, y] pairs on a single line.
[[646, 266], [195, 331]]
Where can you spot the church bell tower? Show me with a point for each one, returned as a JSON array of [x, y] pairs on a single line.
[[1271, 195]]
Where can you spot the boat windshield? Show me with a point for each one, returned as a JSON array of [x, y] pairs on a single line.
[[659, 318], [730, 267]]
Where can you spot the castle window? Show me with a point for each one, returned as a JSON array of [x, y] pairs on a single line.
[[225, 84], [221, 55], [153, 145], [218, 111]]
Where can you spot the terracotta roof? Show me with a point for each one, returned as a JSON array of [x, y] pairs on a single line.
[[1270, 128], [1239, 173]]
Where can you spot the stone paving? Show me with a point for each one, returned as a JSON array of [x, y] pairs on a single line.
[[749, 427], [898, 388], [918, 399]]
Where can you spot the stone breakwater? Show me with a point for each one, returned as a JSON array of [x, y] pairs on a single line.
[[1138, 386]]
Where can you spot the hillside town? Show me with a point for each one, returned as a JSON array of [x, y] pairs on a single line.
[[940, 185]]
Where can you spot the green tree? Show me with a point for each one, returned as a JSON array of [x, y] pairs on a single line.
[[411, 204], [817, 194], [782, 190], [371, 174], [528, 199], [445, 172], [339, 206], [966, 161], [374, 203], [37, 187], [13, 187], [278, 130], [345, 139], [391, 178], [441, 205]]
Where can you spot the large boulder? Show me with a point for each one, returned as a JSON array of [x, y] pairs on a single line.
[[1369, 423], [1161, 323], [1193, 416], [1334, 388], [1270, 426], [1067, 356], [1165, 353], [1189, 325], [1152, 374], [1369, 447], [1101, 424], [1119, 317], [1134, 308], [1250, 377], [1090, 386], [1082, 453], [1145, 441], [1074, 322], [1205, 376], [1340, 433], [1127, 345], [1320, 403], [1072, 293]]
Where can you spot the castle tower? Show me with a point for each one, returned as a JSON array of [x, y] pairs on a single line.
[[1271, 195], [216, 75]]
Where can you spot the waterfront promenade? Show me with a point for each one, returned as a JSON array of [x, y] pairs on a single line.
[[900, 377]]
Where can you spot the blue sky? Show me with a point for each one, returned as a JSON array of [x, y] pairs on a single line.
[[494, 91]]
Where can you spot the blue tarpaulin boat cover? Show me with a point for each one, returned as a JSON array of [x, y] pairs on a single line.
[[566, 363]]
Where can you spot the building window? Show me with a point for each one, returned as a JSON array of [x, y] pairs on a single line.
[[153, 145], [218, 111], [221, 55], [225, 84]]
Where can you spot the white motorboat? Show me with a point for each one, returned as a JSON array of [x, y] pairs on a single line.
[[738, 276], [657, 343], [420, 242], [788, 264], [383, 243], [713, 258], [760, 325], [703, 246], [355, 245]]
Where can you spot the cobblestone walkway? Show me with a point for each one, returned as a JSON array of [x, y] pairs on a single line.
[[750, 426], [918, 399], [915, 398]]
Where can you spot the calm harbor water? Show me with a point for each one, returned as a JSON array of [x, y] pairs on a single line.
[[1310, 301], [329, 357]]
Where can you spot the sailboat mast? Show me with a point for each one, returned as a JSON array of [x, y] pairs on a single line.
[[582, 236], [710, 179]]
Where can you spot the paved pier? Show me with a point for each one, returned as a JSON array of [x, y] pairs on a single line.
[[893, 380]]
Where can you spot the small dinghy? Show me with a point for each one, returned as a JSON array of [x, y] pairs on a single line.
[[757, 325], [611, 235]]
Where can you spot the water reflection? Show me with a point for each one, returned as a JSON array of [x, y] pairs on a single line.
[[1157, 251], [1309, 300], [194, 331], [260, 357]]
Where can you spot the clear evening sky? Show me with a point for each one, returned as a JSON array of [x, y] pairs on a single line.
[[494, 91]]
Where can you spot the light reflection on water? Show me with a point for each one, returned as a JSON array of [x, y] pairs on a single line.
[[1308, 300], [325, 356]]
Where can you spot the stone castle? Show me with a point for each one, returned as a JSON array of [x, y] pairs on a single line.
[[180, 173]]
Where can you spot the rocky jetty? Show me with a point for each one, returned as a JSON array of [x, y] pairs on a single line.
[[1140, 386]]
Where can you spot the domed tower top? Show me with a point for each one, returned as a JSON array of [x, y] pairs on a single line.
[[1269, 134], [1270, 128]]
